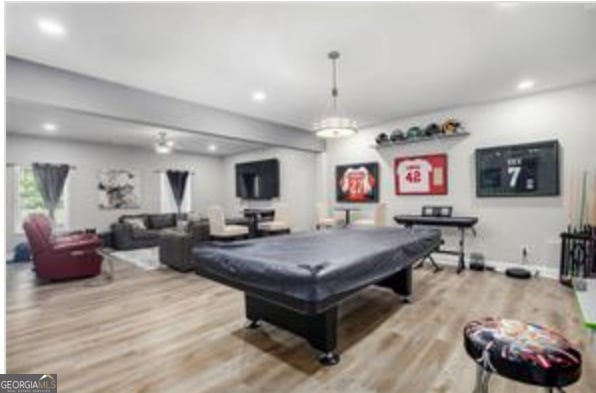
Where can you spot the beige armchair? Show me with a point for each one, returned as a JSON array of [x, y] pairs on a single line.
[[378, 218], [324, 220], [218, 228], [280, 223]]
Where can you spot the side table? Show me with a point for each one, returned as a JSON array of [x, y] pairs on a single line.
[[107, 275]]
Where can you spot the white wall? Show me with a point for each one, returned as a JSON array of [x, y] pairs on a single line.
[[89, 159], [505, 223], [298, 186]]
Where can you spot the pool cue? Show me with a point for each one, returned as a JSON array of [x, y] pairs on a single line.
[[582, 208], [592, 220], [569, 199], [572, 198], [567, 262], [576, 199]]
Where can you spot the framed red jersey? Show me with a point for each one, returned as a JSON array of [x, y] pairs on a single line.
[[421, 175], [357, 183]]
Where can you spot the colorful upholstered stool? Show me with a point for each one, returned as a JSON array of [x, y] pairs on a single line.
[[522, 352]]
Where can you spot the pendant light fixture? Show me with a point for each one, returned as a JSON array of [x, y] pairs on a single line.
[[335, 124]]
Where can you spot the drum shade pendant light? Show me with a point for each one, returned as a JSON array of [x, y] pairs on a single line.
[[335, 124]]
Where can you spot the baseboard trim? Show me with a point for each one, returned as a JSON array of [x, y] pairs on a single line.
[[501, 266]]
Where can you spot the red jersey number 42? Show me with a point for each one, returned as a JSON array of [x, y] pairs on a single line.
[[414, 177]]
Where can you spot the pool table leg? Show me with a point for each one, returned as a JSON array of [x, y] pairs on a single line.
[[254, 324], [329, 359], [400, 283], [320, 330]]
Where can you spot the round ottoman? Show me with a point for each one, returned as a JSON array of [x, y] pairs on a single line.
[[522, 352]]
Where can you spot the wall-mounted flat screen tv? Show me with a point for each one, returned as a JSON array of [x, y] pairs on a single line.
[[530, 169], [257, 179]]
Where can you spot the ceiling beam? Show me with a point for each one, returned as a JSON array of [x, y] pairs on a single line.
[[37, 83]]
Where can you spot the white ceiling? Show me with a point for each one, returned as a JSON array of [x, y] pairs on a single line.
[[28, 119], [397, 58]]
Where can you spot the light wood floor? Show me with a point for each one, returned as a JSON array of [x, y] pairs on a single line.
[[163, 331]]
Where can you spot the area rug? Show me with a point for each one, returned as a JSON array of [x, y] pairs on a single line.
[[145, 258]]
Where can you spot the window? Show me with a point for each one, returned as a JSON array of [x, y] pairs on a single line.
[[29, 200], [168, 204]]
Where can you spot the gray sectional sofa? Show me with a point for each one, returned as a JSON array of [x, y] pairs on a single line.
[[175, 242], [127, 235], [175, 245]]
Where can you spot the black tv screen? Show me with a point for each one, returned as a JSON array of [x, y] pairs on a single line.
[[530, 169], [257, 179]]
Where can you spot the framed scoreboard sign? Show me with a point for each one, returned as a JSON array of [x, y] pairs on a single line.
[[530, 169], [357, 183], [421, 175]]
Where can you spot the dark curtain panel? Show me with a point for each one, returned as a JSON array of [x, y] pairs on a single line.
[[50, 179], [177, 181]]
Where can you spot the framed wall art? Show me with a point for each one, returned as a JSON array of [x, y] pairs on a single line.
[[530, 169], [357, 183], [118, 189], [421, 175]]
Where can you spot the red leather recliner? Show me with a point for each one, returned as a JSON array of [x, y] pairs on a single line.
[[61, 257]]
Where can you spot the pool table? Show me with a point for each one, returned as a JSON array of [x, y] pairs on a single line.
[[297, 281]]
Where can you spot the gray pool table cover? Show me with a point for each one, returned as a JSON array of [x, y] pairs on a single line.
[[312, 266]]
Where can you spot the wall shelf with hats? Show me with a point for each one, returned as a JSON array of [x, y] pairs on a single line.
[[407, 141]]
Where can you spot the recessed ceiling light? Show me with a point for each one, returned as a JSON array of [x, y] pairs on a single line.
[[525, 84], [259, 96], [212, 147], [49, 127], [51, 27], [507, 4]]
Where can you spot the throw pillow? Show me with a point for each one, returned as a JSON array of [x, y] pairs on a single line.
[[136, 223]]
